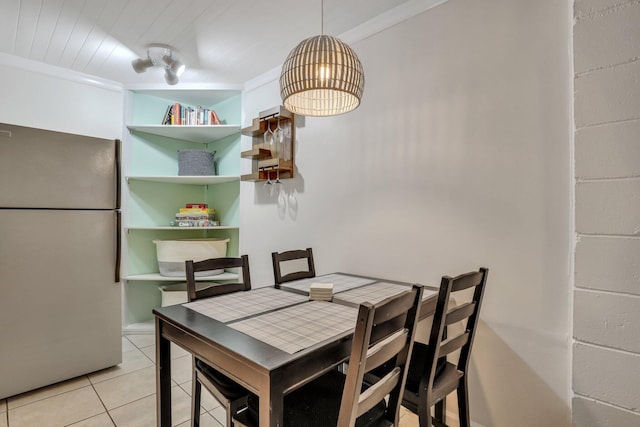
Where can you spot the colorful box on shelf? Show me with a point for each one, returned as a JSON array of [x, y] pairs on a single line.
[[197, 216], [194, 223], [197, 211]]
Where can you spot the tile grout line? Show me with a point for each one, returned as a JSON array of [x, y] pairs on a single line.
[[101, 401]]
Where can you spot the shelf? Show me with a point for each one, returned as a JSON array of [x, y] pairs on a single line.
[[256, 153], [156, 277], [220, 227], [274, 165], [266, 118], [147, 327], [190, 93], [262, 175], [196, 133], [194, 180]]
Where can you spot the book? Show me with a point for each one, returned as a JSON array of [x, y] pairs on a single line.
[[166, 120], [196, 205], [198, 210], [215, 120]]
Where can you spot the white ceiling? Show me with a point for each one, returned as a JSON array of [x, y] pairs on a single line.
[[222, 41]]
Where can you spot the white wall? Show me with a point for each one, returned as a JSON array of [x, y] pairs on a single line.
[[47, 97], [606, 356], [458, 157]]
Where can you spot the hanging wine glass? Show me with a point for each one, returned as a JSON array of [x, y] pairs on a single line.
[[286, 141], [268, 181], [268, 138], [278, 137], [278, 133]]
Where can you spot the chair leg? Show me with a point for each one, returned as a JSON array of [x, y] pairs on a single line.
[[440, 411], [196, 393], [424, 413], [463, 403], [229, 414], [234, 407]]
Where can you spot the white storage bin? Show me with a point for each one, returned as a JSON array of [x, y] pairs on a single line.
[[177, 294], [173, 294], [172, 254]]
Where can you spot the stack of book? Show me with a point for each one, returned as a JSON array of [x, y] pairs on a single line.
[[321, 292], [195, 215], [178, 114]]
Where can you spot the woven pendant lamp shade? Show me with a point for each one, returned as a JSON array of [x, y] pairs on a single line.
[[322, 76]]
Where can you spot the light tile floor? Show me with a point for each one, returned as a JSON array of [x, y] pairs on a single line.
[[122, 396]]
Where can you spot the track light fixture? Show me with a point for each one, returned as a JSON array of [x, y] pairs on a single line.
[[160, 56]]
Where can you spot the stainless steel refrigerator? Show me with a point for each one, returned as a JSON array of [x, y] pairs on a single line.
[[60, 296]]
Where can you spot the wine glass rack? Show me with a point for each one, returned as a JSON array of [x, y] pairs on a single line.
[[275, 156]]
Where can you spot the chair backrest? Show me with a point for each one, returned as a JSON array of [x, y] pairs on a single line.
[[282, 257], [443, 317], [384, 333], [191, 267]]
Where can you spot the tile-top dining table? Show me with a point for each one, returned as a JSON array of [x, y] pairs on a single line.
[[270, 340]]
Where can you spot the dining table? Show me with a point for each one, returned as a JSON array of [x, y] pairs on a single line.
[[270, 340]]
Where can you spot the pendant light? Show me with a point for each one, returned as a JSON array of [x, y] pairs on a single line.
[[322, 76]]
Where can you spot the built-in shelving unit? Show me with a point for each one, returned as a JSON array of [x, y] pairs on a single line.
[[154, 191]]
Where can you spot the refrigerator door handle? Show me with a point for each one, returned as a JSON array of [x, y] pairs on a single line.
[[118, 171], [118, 245]]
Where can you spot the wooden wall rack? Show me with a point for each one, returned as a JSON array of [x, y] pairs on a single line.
[[271, 157]]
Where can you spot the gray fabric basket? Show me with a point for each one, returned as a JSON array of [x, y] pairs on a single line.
[[196, 162]]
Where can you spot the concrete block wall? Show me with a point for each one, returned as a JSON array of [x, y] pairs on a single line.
[[606, 314]]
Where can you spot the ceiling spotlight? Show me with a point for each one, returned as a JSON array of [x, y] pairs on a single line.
[[140, 65], [170, 77], [174, 65], [160, 56]]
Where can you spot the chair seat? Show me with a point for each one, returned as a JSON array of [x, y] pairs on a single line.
[[224, 384], [445, 383], [416, 367], [317, 404]]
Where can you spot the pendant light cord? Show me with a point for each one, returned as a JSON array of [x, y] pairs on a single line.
[[321, 17]]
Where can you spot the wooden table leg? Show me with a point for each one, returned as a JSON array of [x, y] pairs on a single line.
[[163, 377]]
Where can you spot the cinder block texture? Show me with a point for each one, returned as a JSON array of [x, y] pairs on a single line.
[[588, 413], [607, 375], [608, 263], [608, 95], [607, 319], [608, 151], [607, 38], [583, 8], [608, 207]]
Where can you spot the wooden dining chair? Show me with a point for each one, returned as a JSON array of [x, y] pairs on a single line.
[[229, 393], [384, 333], [425, 387], [282, 257]]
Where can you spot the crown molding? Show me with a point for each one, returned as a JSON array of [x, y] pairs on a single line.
[[59, 72]]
